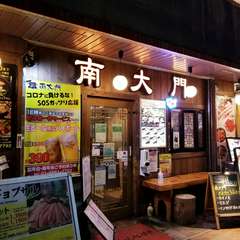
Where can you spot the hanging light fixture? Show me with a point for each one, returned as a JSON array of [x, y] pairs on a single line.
[[120, 82], [191, 91]]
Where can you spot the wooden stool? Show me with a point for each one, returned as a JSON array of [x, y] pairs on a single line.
[[166, 198], [184, 209]]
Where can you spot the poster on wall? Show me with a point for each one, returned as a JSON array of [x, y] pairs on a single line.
[[41, 207], [52, 128], [225, 111], [100, 132], [226, 126], [8, 74], [188, 127], [165, 164], [152, 123], [117, 130], [175, 127]]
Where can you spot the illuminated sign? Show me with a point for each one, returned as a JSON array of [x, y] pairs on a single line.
[[141, 82], [188, 91], [89, 71]]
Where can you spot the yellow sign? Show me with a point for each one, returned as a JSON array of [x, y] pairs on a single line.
[[52, 128], [165, 164]]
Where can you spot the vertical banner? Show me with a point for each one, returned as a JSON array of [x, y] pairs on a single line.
[[52, 128], [8, 73]]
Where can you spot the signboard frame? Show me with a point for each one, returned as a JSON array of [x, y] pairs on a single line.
[[43, 179], [214, 196]]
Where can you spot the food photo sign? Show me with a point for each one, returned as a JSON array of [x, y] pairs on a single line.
[[8, 74], [225, 110], [152, 123], [52, 128], [42, 207]]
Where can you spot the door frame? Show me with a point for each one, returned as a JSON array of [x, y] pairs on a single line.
[[85, 145]]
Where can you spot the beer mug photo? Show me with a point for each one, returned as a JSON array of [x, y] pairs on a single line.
[[69, 147], [53, 149]]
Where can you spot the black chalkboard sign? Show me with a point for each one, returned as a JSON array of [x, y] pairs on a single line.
[[225, 194]]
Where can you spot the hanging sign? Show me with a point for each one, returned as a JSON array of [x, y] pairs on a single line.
[[52, 128]]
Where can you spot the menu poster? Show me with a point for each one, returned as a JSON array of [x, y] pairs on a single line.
[[99, 220], [8, 74], [232, 144], [225, 194], [152, 123], [86, 176], [40, 207], [52, 128], [225, 114]]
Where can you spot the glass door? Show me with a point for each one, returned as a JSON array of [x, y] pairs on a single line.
[[110, 146]]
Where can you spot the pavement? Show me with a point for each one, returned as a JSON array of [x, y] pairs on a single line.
[[203, 229]]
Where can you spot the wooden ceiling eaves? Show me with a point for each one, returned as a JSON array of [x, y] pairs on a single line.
[[59, 34]]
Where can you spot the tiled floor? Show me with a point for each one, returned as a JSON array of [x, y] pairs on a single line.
[[203, 229]]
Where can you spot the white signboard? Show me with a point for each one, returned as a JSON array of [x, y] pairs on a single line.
[[86, 174], [99, 220], [152, 123]]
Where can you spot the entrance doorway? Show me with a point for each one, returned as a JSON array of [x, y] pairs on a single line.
[[109, 131]]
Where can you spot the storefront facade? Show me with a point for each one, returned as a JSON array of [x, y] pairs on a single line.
[[109, 124]]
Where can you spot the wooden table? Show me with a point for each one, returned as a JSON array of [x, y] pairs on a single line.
[[163, 191]]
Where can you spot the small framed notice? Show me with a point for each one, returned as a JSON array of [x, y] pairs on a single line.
[[99, 220]]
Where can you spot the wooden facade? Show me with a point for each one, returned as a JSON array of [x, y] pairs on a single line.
[[58, 66]]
